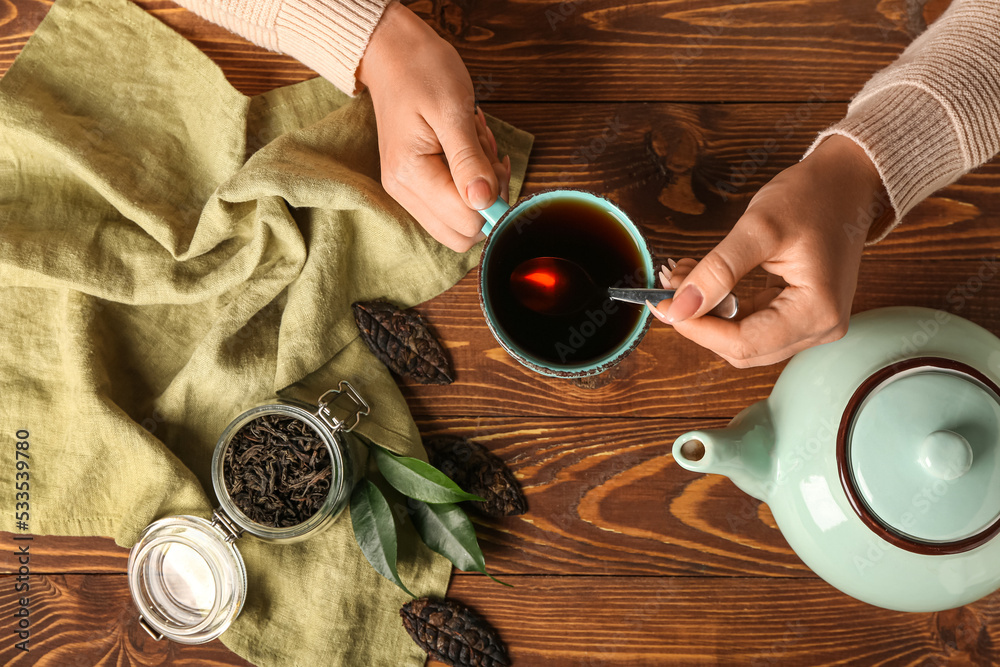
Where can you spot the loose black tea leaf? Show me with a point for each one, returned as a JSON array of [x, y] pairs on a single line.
[[478, 471], [453, 634], [277, 470], [401, 341]]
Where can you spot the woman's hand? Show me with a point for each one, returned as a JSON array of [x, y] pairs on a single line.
[[439, 160], [807, 228]]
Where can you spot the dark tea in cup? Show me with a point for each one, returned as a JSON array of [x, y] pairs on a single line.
[[597, 237]]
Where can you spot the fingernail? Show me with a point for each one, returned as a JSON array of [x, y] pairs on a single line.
[[671, 263], [656, 311], [685, 304], [665, 281], [665, 271], [478, 194]]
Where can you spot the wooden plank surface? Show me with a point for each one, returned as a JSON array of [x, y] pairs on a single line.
[[584, 621], [679, 111], [595, 50], [686, 172], [666, 376], [583, 479], [83, 620], [573, 622]]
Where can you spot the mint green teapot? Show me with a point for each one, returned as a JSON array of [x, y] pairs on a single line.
[[879, 456]]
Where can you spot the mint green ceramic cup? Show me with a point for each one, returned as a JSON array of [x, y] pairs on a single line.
[[500, 217]]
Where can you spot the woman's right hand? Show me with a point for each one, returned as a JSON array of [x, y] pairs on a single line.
[[807, 228]]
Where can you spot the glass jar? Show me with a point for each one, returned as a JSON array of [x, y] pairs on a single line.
[[185, 574]]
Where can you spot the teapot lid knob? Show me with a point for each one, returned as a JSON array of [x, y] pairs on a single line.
[[945, 455]]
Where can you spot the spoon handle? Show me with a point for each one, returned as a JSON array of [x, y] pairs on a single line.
[[726, 309]]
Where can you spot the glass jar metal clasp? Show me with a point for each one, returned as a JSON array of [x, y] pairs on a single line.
[[223, 522], [347, 399]]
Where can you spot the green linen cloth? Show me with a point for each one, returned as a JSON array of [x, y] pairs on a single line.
[[173, 252]]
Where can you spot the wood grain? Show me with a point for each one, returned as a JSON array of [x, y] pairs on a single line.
[[679, 111], [569, 621], [662, 164], [85, 620], [678, 50], [583, 479], [590, 621], [685, 173], [666, 376], [59, 554]]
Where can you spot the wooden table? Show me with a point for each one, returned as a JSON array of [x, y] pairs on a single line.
[[680, 111]]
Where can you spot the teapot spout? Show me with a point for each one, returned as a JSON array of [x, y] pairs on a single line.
[[742, 451]]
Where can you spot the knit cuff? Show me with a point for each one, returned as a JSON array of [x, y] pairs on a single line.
[[329, 36], [910, 138], [251, 19]]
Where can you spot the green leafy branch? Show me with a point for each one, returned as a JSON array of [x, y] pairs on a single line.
[[442, 525]]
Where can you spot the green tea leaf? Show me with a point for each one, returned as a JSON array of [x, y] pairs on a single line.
[[375, 531], [419, 480], [446, 529]]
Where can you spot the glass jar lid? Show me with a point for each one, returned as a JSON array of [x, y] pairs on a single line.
[[920, 455], [187, 578]]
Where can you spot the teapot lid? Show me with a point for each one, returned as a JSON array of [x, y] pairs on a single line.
[[918, 455]]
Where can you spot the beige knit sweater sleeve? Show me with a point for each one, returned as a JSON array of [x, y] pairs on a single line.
[[328, 36], [934, 114]]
